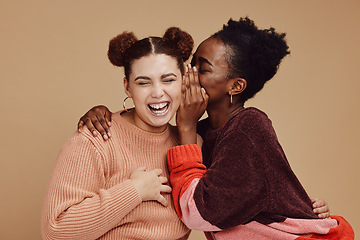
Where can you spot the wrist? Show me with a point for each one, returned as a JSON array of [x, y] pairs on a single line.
[[187, 135], [189, 128], [137, 186]]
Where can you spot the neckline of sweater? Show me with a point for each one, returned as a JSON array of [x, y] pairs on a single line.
[[118, 119]]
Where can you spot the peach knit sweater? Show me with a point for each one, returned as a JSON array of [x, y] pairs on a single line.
[[90, 195]]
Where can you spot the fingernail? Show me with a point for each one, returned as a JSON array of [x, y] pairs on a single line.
[[109, 134], [203, 89], [105, 137], [186, 69], [194, 69], [94, 133]]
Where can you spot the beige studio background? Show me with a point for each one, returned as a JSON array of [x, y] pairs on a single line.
[[54, 68]]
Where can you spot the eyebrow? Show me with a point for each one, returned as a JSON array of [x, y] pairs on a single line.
[[167, 75], [142, 77], [148, 78], [201, 59]]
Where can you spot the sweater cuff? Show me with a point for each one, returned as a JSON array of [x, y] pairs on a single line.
[[182, 154], [125, 197]]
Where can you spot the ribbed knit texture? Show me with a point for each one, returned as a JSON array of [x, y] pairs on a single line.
[[90, 195]]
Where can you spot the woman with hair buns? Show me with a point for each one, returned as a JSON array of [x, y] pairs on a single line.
[[239, 185], [117, 189]]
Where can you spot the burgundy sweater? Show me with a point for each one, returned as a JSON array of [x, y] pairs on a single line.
[[244, 179]]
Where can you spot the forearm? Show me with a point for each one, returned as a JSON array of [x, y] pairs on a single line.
[[187, 134], [186, 169], [78, 205], [190, 212], [185, 165], [225, 195], [90, 218]]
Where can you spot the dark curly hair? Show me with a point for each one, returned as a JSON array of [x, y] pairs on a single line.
[[253, 54], [125, 48]]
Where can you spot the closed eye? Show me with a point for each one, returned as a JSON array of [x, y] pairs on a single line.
[[143, 83], [203, 70], [168, 80], [142, 80]]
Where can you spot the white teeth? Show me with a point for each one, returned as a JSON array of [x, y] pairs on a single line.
[[159, 108], [158, 105]]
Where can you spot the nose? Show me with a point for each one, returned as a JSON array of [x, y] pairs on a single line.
[[157, 91]]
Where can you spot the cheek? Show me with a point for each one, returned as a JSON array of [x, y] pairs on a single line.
[[204, 82], [176, 97], [212, 81], [175, 94], [201, 80], [139, 97]]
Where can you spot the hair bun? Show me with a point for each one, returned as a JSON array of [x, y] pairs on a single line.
[[183, 42], [118, 46], [270, 48]]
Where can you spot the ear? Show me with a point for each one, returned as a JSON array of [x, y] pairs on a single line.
[[237, 86], [127, 87]]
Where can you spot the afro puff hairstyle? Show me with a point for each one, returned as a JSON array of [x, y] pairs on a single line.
[[125, 48]]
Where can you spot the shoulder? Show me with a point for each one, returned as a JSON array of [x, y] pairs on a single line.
[[252, 113], [79, 150], [249, 119], [80, 141], [250, 122], [85, 138]]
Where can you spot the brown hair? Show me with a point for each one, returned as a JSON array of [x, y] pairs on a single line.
[[125, 48]]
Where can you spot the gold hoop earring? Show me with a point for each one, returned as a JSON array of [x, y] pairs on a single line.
[[124, 104]]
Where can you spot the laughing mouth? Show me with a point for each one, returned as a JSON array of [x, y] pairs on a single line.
[[159, 108]]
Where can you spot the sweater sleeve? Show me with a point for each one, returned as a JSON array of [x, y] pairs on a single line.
[[231, 192], [78, 205], [185, 165]]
